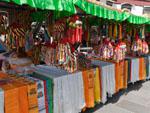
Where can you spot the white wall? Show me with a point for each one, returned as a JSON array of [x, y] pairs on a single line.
[[118, 6], [137, 10]]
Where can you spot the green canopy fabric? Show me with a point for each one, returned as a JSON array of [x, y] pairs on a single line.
[[89, 8], [59, 5], [110, 14], [138, 19], [100, 11]]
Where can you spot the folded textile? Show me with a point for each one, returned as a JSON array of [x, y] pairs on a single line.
[[88, 79], [68, 91], [1, 101], [107, 78]]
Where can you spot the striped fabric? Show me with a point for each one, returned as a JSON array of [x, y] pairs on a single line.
[[68, 89], [1, 101], [107, 78], [48, 86]]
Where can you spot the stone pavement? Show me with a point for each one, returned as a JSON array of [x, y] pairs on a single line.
[[136, 99]]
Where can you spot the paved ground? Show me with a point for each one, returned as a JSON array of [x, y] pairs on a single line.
[[134, 100]]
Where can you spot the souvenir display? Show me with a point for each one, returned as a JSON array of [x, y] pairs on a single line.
[[120, 51], [106, 49], [65, 62]]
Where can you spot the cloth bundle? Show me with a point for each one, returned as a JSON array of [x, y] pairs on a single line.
[[107, 78]]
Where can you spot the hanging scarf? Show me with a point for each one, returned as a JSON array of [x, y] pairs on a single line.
[[110, 30], [143, 31], [120, 31], [115, 31]]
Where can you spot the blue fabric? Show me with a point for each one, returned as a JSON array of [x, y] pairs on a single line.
[[46, 36], [2, 48]]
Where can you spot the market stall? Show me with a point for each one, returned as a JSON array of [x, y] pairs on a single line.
[[67, 63]]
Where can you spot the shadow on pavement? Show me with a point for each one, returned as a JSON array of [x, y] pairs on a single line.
[[131, 87]]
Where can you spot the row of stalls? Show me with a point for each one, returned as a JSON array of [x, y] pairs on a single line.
[[60, 62]]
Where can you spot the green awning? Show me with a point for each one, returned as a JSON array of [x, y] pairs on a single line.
[[100, 11], [110, 14], [89, 8], [138, 19], [58, 5]]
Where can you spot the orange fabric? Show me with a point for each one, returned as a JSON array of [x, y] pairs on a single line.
[[31, 94], [126, 74], [24, 94], [88, 79], [121, 75], [23, 97], [2, 75], [11, 98], [142, 69], [29, 53]]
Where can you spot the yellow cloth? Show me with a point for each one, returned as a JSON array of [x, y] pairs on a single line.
[[97, 86]]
